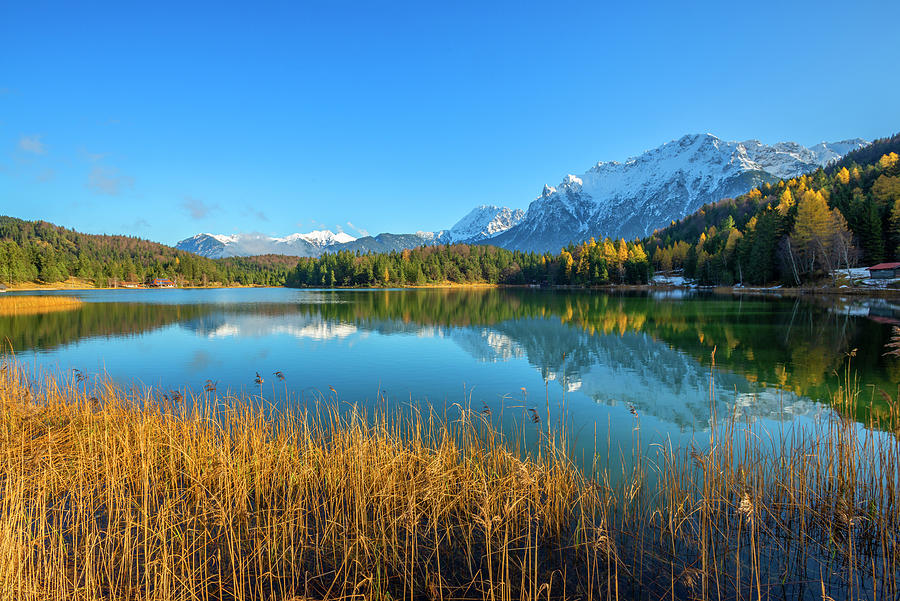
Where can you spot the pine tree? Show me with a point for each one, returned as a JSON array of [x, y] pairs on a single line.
[[871, 235]]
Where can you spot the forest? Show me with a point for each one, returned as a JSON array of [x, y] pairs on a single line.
[[793, 232], [37, 251], [588, 264]]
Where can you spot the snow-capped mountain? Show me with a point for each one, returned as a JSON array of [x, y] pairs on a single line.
[[646, 192], [481, 224], [311, 244], [619, 200]]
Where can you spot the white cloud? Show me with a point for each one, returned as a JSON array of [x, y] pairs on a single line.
[[196, 208], [106, 180], [32, 144], [358, 230]]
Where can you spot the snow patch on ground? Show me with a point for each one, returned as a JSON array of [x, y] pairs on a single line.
[[668, 280]]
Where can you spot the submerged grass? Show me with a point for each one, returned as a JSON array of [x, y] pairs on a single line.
[[33, 305], [105, 495]]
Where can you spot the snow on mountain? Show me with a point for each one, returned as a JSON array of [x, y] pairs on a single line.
[[830, 152], [318, 237], [646, 192], [311, 244], [481, 223]]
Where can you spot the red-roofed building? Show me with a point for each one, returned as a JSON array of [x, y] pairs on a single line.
[[884, 271]]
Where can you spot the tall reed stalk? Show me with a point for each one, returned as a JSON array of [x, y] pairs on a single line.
[[106, 495]]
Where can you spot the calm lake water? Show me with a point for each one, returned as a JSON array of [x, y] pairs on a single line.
[[596, 356]]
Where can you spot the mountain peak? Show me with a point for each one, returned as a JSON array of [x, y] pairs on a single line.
[[633, 198], [481, 223]]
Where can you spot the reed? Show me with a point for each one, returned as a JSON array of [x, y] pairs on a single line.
[[108, 495], [32, 305]]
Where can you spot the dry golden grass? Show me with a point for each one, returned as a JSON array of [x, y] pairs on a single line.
[[105, 496], [31, 305], [116, 498]]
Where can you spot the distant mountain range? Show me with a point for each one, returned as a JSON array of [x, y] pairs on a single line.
[[480, 224], [618, 200]]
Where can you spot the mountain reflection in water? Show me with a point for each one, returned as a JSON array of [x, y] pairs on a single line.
[[776, 359]]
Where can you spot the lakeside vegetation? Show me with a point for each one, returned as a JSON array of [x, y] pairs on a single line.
[[37, 251], [114, 497], [12, 306]]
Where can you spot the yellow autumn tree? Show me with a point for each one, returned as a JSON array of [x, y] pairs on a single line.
[[785, 201], [568, 263], [886, 189], [663, 259], [609, 252], [812, 238], [622, 251], [638, 254], [888, 161], [843, 176], [734, 237]]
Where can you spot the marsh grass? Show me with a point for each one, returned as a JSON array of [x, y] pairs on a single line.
[[107, 495], [16, 305]]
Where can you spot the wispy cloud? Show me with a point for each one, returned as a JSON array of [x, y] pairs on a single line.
[[32, 144], [139, 224], [196, 208], [358, 230], [253, 211], [46, 175], [92, 157], [107, 180]]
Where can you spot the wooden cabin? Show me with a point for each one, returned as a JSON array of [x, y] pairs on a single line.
[[884, 271]]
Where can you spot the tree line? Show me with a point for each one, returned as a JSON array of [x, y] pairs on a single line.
[[37, 251], [590, 263]]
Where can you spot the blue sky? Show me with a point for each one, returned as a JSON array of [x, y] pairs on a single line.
[[164, 120]]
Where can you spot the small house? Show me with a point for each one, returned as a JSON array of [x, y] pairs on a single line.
[[161, 283], [884, 271], [2, 288]]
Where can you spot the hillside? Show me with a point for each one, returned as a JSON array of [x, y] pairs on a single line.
[[37, 251], [793, 231]]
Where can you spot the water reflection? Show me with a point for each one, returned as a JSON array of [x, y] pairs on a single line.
[[776, 358]]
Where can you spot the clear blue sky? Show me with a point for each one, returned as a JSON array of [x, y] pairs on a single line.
[[163, 120]]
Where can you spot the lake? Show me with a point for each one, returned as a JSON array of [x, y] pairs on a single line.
[[597, 358]]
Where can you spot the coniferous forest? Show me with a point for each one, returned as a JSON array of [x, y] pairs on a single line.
[[588, 264], [37, 251]]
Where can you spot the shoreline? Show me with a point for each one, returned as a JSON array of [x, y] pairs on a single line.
[[720, 290]]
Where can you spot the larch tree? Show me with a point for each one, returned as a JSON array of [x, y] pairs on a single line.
[[813, 235]]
